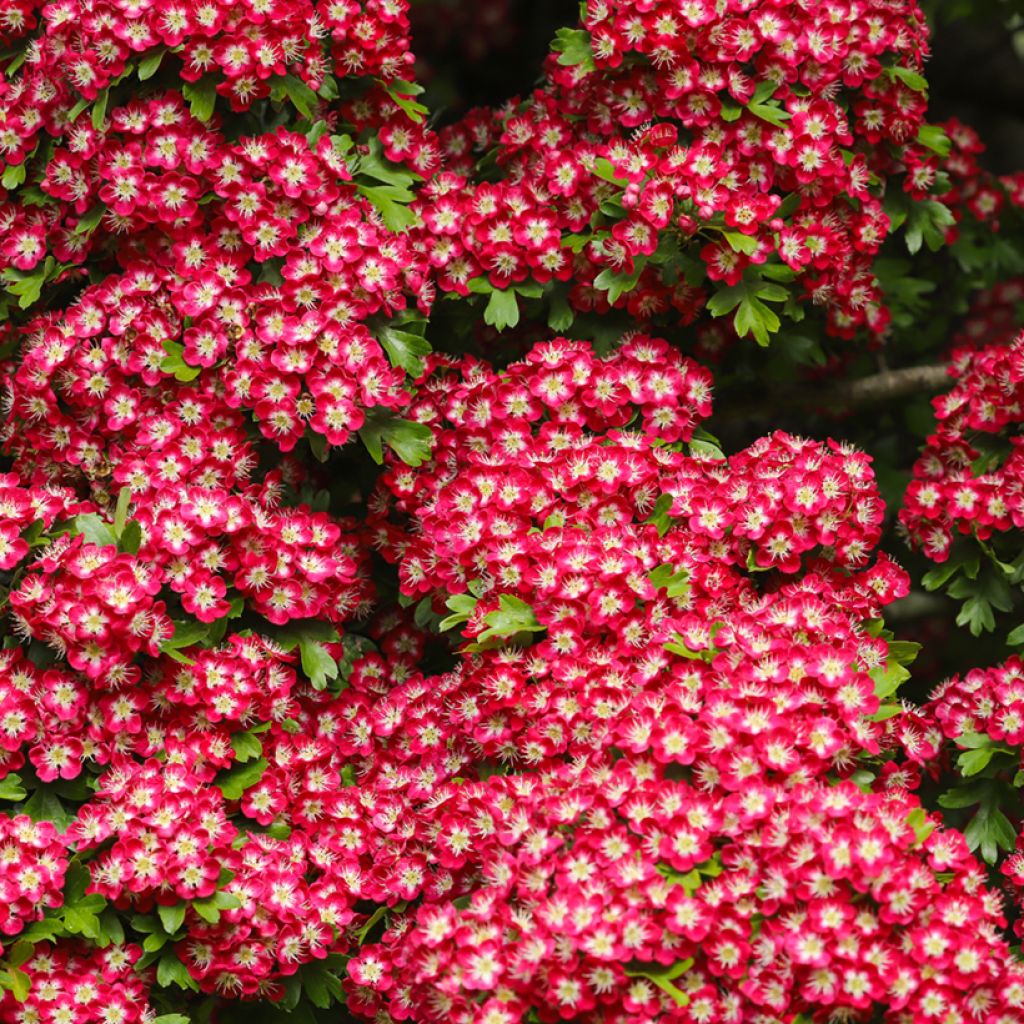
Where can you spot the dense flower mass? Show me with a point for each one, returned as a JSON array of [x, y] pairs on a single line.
[[969, 478], [384, 632]]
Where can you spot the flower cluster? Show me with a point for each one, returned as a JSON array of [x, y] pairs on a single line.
[[69, 981], [754, 125], [33, 862], [562, 713], [958, 486]]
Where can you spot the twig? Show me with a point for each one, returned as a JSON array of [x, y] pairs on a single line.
[[878, 389]]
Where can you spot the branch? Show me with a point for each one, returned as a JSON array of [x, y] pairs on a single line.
[[882, 387], [878, 389]]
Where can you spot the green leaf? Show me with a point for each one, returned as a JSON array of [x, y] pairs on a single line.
[[19, 983], [246, 746], [663, 975], [301, 96], [12, 789], [374, 165], [502, 309], [317, 663], [605, 170], [82, 917], [512, 617], [976, 614], [911, 79], [174, 362], [171, 971], [14, 175], [99, 110], [740, 242], [95, 530], [990, 831], [131, 539], [149, 66], [888, 678], [770, 112], [172, 917], [201, 97], [321, 985], [410, 441], [573, 48], [659, 516], [236, 781], [405, 350], [963, 796], [903, 652], [172, 1018], [88, 222], [665, 577], [27, 286], [926, 224], [401, 93], [396, 215], [186, 634], [973, 761], [561, 315], [44, 805], [934, 137], [678, 646], [124, 500], [918, 821], [754, 317], [462, 606], [616, 284], [1016, 637]]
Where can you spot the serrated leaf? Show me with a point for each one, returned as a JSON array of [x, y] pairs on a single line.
[[574, 49], [462, 606], [99, 110], [971, 762], [502, 309], [172, 917], [14, 175], [301, 96], [186, 634], [963, 796], [617, 284], [246, 746], [174, 363], [512, 617], [911, 79], [201, 97], [149, 66], [171, 971], [934, 137], [322, 986], [94, 530], [405, 350], [401, 93], [397, 216], [410, 441], [44, 805], [11, 788], [317, 663], [236, 781], [754, 317]]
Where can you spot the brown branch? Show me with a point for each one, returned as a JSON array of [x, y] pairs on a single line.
[[878, 389]]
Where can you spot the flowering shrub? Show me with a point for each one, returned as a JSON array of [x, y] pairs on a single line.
[[385, 632]]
